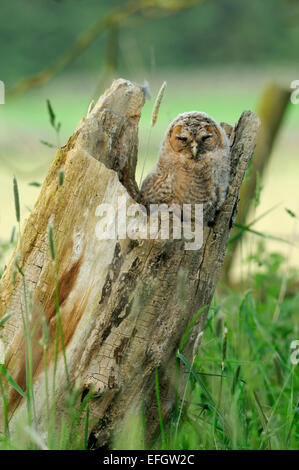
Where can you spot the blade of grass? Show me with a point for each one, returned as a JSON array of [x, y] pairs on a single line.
[[86, 425], [202, 385], [12, 382], [159, 409], [263, 235], [5, 318], [263, 416], [143, 425], [154, 118], [239, 234], [185, 336], [5, 410], [235, 379], [36, 438]]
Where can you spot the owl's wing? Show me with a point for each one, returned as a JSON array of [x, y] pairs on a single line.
[[147, 192]]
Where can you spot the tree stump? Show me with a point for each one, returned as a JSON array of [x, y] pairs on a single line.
[[124, 304]]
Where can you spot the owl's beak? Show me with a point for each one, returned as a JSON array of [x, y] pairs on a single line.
[[194, 150]]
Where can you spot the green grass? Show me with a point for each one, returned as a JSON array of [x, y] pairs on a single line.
[[242, 389], [256, 391]]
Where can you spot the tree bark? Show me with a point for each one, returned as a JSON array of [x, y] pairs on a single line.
[[125, 304]]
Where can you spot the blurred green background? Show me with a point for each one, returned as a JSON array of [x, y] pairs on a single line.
[[216, 56]]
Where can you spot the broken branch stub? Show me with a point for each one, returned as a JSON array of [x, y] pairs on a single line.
[[125, 304]]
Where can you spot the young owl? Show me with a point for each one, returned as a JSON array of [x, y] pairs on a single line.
[[193, 165]]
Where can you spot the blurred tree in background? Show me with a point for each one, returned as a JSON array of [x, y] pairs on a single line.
[[35, 33]]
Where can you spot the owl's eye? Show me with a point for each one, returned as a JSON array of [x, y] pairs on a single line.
[[182, 139], [206, 137]]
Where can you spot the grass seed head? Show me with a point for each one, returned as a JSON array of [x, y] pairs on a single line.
[[158, 104], [17, 199]]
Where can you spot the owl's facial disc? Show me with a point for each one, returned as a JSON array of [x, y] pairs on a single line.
[[192, 142]]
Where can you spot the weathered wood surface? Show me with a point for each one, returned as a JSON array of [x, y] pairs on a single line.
[[125, 304]]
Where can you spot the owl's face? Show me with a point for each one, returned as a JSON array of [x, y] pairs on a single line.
[[193, 136]]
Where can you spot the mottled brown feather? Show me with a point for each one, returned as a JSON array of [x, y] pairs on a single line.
[[182, 176]]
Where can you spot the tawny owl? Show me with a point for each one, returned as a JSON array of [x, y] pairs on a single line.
[[193, 165]]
